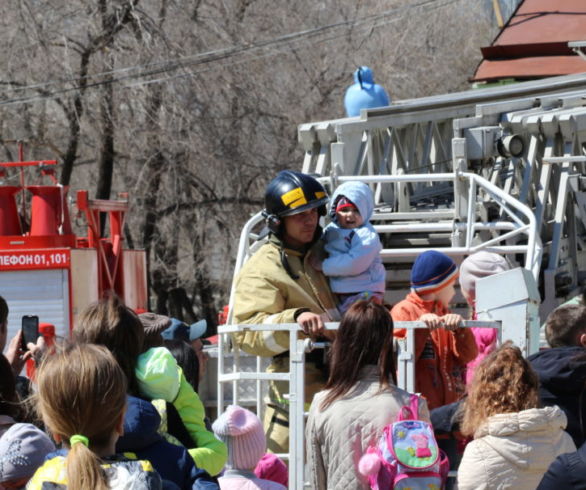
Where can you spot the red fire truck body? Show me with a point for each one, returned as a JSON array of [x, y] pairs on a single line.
[[49, 271]]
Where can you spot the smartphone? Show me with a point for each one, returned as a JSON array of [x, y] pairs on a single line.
[[30, 330]]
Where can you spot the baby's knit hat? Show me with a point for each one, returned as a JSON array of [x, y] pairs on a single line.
[[242, 432], [479, 265], [23, 448], [432, 271], [344, 202]]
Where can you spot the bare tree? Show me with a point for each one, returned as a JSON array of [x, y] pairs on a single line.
[[193, 108]]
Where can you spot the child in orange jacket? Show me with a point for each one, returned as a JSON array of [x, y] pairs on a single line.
[[443, 350]]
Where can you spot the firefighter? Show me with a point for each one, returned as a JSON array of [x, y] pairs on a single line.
[[278, 284]]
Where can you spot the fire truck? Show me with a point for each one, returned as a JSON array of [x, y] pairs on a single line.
[[48, 270], [500, 169]]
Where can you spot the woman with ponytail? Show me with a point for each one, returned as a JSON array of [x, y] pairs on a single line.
[[82, 399]]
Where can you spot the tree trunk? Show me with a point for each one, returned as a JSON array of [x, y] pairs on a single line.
[[205, 291], [106, 162], [180, 306], [73, 117], [152, 175]]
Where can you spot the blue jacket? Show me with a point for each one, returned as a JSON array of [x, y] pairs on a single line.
[[562, 382], [567, 471], [172, 462], [354, 264], [364, 93]]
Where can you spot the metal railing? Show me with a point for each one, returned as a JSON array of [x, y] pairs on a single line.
[[466, 131], [405, 355], [296, 378], [417, 131], [526, 232]]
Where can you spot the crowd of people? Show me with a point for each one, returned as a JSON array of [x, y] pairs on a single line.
[[116, 406]]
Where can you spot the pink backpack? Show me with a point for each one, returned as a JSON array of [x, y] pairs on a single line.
[[406, 456]]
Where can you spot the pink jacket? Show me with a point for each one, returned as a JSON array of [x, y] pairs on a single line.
[[485, 339], [246, 480]]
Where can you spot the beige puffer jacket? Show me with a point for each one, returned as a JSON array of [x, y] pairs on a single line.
[[337, 437], [514, 450]]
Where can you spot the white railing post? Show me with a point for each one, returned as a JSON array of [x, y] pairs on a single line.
[[296, 409]]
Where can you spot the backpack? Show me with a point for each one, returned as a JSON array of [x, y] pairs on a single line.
[[406, 456]]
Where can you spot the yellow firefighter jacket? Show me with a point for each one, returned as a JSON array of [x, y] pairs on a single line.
[[265, 293]]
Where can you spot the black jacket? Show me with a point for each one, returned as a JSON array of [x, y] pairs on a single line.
[[562, 382], [567, 471]]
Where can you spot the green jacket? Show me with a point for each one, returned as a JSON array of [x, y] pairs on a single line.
[[159, 376]]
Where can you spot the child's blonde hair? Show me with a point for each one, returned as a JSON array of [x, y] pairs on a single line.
[[82, 391]]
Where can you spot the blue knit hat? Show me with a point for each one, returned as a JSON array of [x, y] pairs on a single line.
[[432, 271]]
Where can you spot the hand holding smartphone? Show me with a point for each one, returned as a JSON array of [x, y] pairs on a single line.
[[30, 330]]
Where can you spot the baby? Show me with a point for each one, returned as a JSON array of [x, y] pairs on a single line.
[[353, 266]]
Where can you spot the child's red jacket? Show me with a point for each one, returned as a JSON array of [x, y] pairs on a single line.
[[440, 355]]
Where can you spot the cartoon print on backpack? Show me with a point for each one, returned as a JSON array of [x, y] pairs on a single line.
[[413, 443], [421, 448], [407, 455]]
